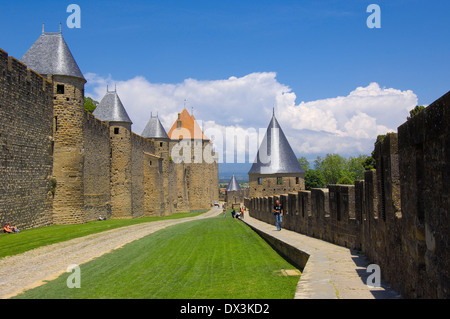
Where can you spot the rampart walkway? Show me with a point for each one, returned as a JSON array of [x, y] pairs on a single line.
[[331, 271]]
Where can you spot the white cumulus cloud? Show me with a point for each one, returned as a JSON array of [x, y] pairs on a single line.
[[345, 124]]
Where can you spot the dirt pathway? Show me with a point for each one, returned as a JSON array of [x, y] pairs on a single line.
[[32, 268]]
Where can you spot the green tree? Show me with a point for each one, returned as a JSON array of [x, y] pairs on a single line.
[[304, 163], [90, 104], [331, 167], [369, 163], [415, 111], [346, 180], [354, 168], [335, 169], [314, 179]]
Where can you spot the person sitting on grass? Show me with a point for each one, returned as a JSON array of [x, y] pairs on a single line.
[[8, 229]]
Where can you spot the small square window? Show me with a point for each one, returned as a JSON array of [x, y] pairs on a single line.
[[297, 180], [116, 130], [279, 180], [160, 144], [60, 89]]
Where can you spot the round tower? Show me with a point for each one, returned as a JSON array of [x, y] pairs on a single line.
[[155, 131], [50, 56], [276, 169], [111, 110]]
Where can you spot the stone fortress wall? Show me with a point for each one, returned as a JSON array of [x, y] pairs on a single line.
[[398, 216], [26, 162], [61, 165]]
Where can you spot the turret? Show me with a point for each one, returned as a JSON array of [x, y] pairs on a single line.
[[276, 169], [111, 110], [50, 56]]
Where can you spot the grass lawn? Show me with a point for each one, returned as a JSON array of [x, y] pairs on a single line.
[[214, 258], [13, 244]]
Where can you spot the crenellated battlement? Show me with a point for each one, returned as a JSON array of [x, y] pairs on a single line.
[[398, 215], [15, 72], [60, 164]]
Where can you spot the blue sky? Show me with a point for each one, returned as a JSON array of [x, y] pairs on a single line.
[[312, 57]]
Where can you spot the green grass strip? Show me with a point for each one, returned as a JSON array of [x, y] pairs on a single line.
[[13, 244], [218, 258]]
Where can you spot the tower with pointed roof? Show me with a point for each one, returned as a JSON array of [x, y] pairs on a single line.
[[50, 56], [234, 194], [88, 165], [233, 185], [276, 169], [155, 131], [197, 165], [111, 110]]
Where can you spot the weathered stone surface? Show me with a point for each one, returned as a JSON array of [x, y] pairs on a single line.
[[61, 165], [398, 216]]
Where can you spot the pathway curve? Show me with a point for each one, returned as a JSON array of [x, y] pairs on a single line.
[[331, 272], [33, 268]]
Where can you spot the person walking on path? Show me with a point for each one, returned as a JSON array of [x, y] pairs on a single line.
[[278, 212]]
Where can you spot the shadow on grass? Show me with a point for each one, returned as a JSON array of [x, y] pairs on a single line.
[[14, 244]]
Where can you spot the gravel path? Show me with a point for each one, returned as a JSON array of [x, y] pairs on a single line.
[[31, 269]]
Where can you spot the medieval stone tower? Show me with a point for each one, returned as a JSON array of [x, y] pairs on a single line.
[[197, 164], [111, 110], [51, 57], [276, 169], [70, 166], [155, 131]]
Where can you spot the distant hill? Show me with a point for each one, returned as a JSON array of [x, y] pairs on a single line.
[[239, 170]]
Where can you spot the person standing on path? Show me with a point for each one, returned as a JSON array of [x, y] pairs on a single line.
[[278, 212]]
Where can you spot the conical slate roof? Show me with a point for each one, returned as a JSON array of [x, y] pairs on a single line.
[[154, 129], [233, 185], [275, 155], [51, 55], [111, 109]]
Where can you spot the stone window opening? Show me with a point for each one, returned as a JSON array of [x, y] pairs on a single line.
[[279, 180], [259, 181], [60, 89], [116, 130]]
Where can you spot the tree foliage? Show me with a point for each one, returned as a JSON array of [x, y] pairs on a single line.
[[335, 169], [314, 179], [415, 111], [90, 104], [304, 163]]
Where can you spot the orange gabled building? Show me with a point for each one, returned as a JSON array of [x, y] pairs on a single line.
[[186, 127]]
